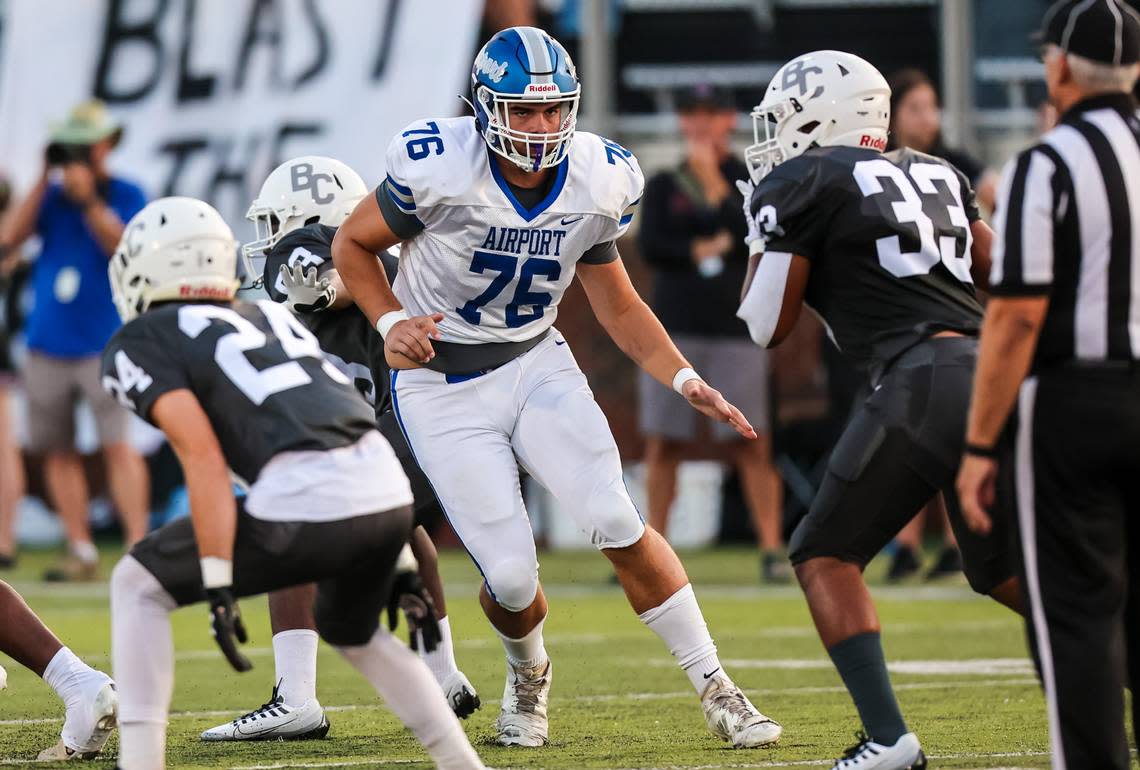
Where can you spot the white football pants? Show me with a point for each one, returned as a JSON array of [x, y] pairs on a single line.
[[471, 435]]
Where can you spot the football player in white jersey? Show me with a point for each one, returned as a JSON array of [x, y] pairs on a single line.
[[496, 215]]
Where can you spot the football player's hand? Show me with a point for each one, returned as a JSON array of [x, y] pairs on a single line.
[[754, 235], [412, 338], [708, 401], [305, 292], [410, 597], [977, 484], [226, 626]]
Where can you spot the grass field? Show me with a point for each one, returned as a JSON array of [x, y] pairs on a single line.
[[617, 701]]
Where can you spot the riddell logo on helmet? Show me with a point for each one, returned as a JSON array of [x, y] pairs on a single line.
[[874, 142], [204, 292], [541, 88]]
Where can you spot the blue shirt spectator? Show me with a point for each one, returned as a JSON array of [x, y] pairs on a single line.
[[73, 315]]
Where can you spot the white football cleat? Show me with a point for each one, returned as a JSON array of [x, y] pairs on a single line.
[[88, 724], [522, 717], [461, 696], [274, 721], [905, 754], [3, 678], [732, 717]]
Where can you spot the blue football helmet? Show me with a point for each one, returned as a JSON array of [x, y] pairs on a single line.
[[524, 64]]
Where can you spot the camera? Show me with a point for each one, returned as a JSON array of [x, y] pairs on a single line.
[[62, 153]]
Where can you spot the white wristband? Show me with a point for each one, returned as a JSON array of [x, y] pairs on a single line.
[[217, 572], [683, 376], [385, 323]]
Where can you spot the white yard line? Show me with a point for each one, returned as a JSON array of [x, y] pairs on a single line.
[[968, 666], [605, 698], [727, 766]]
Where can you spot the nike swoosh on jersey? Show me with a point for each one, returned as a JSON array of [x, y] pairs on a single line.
[[569, 221], [560, 342]]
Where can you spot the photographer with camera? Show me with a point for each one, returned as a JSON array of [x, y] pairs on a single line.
[[77, 208]]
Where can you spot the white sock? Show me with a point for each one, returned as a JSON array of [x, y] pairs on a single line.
[[406, 685], [295, 657], [680, 624], [142, 652], [441, 660], [85, 551], [66, 674], [142, 745], [527, 652]]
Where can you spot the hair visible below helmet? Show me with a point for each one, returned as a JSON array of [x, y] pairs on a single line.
[[174, 249], [524, 64], [302, 191], [820, 99]]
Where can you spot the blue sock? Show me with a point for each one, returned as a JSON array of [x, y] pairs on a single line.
[[861, 664]]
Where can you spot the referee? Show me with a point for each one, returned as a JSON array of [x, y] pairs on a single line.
[[1062, 338]]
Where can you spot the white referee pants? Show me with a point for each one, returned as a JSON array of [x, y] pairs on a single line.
[[471, 436]]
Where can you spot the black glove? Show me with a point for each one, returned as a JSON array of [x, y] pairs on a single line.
[[409, 595], [226, 626]]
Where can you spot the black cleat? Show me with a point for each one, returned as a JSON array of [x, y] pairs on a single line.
[[904, 564], [949, 564]]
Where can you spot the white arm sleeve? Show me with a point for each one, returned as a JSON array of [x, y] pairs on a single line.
[[761, 306]]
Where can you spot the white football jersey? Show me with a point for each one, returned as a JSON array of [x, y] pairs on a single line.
[[495, 269]]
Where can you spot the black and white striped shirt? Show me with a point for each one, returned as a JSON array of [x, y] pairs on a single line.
[[1068, 226]]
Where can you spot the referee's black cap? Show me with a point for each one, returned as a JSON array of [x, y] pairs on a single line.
[[1106, 31]]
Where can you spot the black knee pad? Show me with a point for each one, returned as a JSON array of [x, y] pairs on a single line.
[[348, 606], [344, 632]]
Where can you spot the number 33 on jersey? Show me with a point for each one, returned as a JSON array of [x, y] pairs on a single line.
[[888, 238], [495, 264]]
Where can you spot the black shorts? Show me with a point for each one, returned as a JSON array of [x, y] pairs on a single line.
[[427, 509], [902, 446], [351, 560]]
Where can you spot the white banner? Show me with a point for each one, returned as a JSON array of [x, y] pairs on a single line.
[[214, 93]]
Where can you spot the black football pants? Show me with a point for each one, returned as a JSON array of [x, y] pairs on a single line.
[[1077, 490]]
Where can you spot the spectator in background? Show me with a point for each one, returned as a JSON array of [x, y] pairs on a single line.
[[11, 462], [916, 122], [79, 220], [692, 237]]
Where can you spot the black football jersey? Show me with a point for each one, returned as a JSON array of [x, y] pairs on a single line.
[[345, 335], [888, 238], [258, 373]]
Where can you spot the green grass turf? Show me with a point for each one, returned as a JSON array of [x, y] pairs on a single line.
[[617, 700]]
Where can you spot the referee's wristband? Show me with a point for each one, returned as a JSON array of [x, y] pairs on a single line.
[[683, 376], [385, 322], [216, 572], [977, 450]]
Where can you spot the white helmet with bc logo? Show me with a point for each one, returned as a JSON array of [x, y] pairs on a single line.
[[820, 99], [300, 192]]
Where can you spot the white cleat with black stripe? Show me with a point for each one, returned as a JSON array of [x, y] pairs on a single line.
[[274, 721], [461, 695], [905, 754]]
